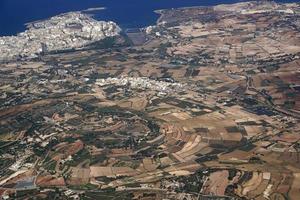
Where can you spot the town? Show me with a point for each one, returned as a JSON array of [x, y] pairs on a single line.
[[63, 32]]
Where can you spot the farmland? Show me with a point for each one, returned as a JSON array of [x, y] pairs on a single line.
[[203, 105]]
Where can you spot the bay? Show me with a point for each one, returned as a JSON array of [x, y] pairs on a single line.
[[127, 13]]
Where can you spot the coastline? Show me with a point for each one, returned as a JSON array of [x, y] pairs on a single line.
[[29, 24], [148, 15], [160, 11], [85, 11]]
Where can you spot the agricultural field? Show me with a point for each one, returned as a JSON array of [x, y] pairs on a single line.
[[203, 105]]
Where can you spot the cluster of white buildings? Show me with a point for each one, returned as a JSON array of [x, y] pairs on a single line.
[[142, 83], [66, 31], [20, 162]]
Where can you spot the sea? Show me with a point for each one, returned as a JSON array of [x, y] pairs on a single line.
[[14, 14]]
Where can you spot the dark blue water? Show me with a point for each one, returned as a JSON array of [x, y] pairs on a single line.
[[127, 13]]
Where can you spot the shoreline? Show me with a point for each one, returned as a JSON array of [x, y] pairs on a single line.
[[28, 24], [85, 11], [141, 24]]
